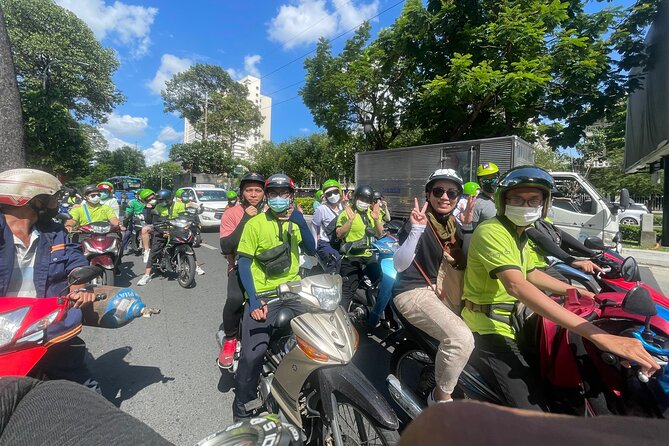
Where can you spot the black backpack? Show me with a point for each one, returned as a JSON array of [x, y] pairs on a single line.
[[331, 231]]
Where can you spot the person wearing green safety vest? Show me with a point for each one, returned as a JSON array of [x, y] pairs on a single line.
[[91, 211], [356, 226], [501, 277], [136, 208]]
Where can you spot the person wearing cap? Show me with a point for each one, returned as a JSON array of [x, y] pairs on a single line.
[[360, 221], [319, 199], [107, 196], [91, 211], [233, 220], [36, 256], [322, 220], [501, 278], [430, 237], [259, 236]]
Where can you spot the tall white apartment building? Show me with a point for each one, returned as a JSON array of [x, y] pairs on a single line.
[[264, 103]]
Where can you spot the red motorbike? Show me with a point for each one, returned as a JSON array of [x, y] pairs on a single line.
[[101, 243]]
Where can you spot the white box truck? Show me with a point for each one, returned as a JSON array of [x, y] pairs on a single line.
[[400, 175]]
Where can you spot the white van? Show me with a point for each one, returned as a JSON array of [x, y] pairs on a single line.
[[580, 210]]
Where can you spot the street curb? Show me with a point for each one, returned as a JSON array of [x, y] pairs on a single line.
[[648, 257]]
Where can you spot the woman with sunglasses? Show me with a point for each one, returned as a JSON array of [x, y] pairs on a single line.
[[430, 237]]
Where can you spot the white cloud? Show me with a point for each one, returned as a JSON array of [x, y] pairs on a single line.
[[304, 21], [304, 130], [125, 125], [113, 141], [155, 154], [169, 66], [168, 134], [250, 63], [129, 25]]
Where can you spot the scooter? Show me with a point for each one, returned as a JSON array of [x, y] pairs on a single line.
[[178, 256], [308, 377], [30, 326], [579, 378], [102, 246]]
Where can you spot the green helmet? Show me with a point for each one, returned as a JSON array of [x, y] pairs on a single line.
[[330, 183], [145, 193], [179, 192], [471, 187], [231, 195], [319, 194]]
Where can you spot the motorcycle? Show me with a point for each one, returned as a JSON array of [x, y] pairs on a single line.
[[307, 375], [191, 214], [136, 245], [30, 326], [101, 243], [579, 379], [178, 256]]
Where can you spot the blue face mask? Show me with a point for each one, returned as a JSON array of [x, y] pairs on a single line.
[[104, 195], [185, 199], [279, 204]]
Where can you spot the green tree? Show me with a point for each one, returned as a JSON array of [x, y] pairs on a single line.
[[151, 176], [213, 103], [202, 157], [64, 75], [265, 158]]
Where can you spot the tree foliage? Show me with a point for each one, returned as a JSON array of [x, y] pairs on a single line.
[[151, 176], [203, 157], [229, 116], [456, 69]]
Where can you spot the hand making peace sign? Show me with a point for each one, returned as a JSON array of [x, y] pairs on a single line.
[[418, 215]]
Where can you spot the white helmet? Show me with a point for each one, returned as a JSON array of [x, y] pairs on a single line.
[[19, 186]]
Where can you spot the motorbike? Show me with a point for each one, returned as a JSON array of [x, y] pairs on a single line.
[[178, 256], [30, 326], [135, 244], [191, 214], [307, 375], [579, 379], [101, 243]]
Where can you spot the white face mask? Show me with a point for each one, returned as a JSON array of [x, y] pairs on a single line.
[[523, 216], [361, 205], [334, 198], [93, 200]]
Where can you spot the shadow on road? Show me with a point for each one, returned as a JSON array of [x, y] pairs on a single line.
[[121, 381]]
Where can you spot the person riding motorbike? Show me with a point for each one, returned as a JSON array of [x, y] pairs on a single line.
[[91, 211], [500, 276], [136, 207], [322, 220], [234, 219], [231, 195], [418, 261], [107, 196], [36, 256], [383, 205], [268, 257], [166, 208], [355, 228]]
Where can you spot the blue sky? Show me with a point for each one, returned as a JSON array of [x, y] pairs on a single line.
[[155, 39]]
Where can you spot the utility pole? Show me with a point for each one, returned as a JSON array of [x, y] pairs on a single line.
[[206, 112]]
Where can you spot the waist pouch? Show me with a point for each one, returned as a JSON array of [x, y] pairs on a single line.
[[518, 314], [276, 261], [355, 248]]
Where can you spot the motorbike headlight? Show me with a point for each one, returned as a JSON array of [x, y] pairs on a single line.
[[10, 323], [42, 323], [101, 228], [328, 298]]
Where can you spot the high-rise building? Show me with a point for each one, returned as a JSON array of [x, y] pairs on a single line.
[[264, 103]]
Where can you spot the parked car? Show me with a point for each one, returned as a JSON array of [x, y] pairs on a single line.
[[212, 200], [633, 214]]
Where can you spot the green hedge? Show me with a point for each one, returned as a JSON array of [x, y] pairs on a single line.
[[307, 205], [657, 220], [632, 233]]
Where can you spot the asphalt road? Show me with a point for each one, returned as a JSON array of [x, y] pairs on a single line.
[[162, 369]]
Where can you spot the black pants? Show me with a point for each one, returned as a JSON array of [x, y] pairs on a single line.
[[554, 273], [67, 361], [234, 305], [255, 341], [158, 242], [329, 257], [352, 271], [500, 361]]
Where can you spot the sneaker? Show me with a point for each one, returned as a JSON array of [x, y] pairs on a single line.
[[199, 271], [146, 256], [431, 401], [227, 354], [146, 278]]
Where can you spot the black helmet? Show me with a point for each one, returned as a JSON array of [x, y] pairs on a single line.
[[364, 192], [444, 174], [252, 177], [377, 195], [524, 176], [164, 195], [90, 188], [279, 180]]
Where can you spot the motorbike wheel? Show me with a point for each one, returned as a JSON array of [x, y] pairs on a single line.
[[197, 241], [413, 368], [107, 278], [358, 427], [186, 270]]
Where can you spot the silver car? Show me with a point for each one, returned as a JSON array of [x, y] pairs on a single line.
[[633, 214]]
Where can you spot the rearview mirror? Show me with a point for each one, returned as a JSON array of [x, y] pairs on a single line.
[[638, 301], [629, 270], [624, 198], [84, 274], [595, 243]]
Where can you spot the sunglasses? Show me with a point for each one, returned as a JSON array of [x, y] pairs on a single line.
[[452, 194], [331, 193], [93, 194]]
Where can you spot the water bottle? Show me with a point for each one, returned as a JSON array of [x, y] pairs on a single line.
[[115, 308]]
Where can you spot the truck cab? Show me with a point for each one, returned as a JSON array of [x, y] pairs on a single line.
[[580, 210]]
